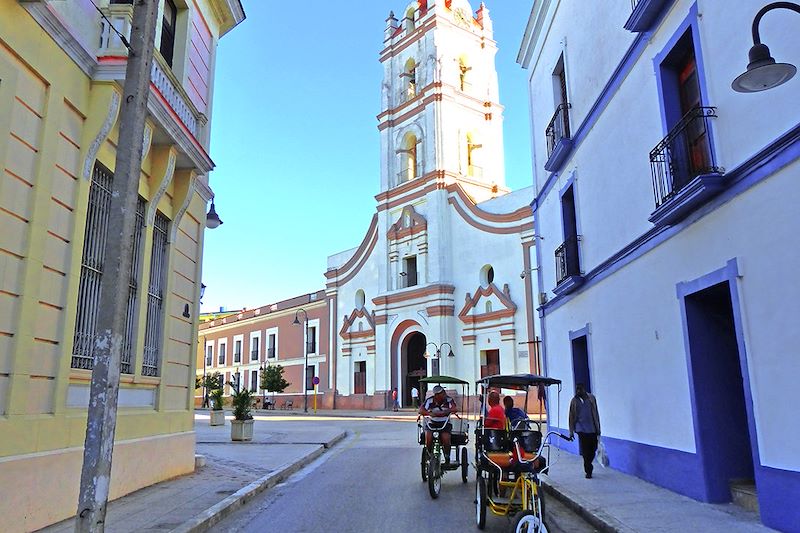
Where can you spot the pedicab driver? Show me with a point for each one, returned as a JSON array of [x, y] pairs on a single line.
[[438, 407]]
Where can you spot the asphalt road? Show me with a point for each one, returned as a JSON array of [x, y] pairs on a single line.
[[371, 482]]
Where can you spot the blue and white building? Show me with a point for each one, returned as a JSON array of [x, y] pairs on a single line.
[[668, 207]]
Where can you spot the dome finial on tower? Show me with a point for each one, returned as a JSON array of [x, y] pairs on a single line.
[[391, 27], [482, 16]]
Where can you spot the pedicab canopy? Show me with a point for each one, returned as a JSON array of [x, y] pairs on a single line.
[[517, 381], [446, 380]]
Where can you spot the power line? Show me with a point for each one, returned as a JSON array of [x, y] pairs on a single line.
[[121, 37]]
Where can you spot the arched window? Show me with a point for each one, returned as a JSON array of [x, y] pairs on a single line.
[[409, 76], [463, 73], [488, 306], [409, 19], [360, 299], [473, 169], [408, 158], [487, 275]]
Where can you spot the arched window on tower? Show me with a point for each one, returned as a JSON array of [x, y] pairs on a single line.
[[409, 19], [473, 169], [409, 77], [464, 73], [408, 158]]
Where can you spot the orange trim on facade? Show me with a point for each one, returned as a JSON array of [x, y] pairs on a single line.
[[435, 97], [487, 317], [483, 292], [410, 185], [416, 224], [441, 310], [394, 49], [515, 216], [381, 320], [363, 252], [438, 290], [508, 332], [350, 320], [468, 338], [528, 226]]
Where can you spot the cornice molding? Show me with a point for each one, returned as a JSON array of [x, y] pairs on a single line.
[[51, 22]]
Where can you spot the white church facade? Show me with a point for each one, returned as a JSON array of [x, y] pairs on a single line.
[[441, 282]]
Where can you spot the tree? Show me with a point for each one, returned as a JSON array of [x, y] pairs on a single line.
[[209, 382], [272, 380]]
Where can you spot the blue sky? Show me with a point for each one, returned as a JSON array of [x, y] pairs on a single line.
[[296, 145]]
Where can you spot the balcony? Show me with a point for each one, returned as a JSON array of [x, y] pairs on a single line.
[[559, 142], [270, 353], [474, 171], [568, 268], [254, 355], [408, 174], [684, 169], [120, 18], [645, 13]]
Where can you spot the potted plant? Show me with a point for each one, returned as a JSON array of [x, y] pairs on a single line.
[[217, 414], [242, 423]]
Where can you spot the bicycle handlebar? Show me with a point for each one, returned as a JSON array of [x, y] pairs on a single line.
[[521, 456]]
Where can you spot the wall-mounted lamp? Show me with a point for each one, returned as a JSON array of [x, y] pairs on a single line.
[[525, 272], [212, 218], [762, 71], [186, 311]]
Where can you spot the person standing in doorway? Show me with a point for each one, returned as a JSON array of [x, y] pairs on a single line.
[[415, 397], [395, 403], [584, 420]]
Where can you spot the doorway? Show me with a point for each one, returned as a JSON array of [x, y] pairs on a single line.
[[721, 422], [490, 363], [580, 362], [414, 365]]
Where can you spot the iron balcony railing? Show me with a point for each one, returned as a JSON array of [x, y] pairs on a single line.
[[270, 352], [253, 355], [408, 174], [474, 171], [683, 154], [558, 128], [567, 259]]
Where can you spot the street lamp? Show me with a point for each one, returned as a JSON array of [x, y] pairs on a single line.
[[212, 218], [763, 72], [438, 354], [305, 351]]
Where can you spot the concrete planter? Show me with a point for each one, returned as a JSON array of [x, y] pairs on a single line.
[[218, 418], [241, 430]]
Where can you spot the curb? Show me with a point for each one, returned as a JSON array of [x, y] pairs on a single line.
[[593, 515], [213, 515]]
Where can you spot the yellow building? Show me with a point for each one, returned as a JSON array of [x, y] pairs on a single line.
[[61, 74]]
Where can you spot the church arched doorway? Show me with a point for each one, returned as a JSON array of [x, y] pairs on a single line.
[[414, 365]]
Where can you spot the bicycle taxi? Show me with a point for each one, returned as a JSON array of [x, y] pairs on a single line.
[[509, 461], [432, 465]]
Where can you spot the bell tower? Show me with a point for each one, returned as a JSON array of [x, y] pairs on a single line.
[[440, 111]]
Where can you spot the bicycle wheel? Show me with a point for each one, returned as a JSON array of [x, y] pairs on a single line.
[[464, 465], [423, 464], [480, 502], [528, 522], [434, 477]]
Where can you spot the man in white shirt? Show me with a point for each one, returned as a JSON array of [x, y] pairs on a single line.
[[415, 397]]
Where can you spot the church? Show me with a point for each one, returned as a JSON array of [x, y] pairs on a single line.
[[441, 282]]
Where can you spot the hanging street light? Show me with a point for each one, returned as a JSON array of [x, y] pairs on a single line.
[[763, 72]]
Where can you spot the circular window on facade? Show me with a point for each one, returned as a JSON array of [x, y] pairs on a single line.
[[360, 299], [487, 275]]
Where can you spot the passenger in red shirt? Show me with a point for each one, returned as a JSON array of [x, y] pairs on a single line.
[[496, 417]]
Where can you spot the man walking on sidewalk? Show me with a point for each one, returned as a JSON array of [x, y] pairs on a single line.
[[585, 421]]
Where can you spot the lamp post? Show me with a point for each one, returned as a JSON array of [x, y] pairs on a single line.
[[763, 72], [305, 352], [438, 354]]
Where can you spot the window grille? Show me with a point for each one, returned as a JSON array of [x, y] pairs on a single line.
[[155, 297], [222, 354], [133, 289], [209, 355], [94, 247]]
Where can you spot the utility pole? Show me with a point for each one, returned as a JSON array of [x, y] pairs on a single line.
[[102, 417]]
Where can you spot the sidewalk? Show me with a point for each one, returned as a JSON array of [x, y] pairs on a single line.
[[613, 501], [233, 473]]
